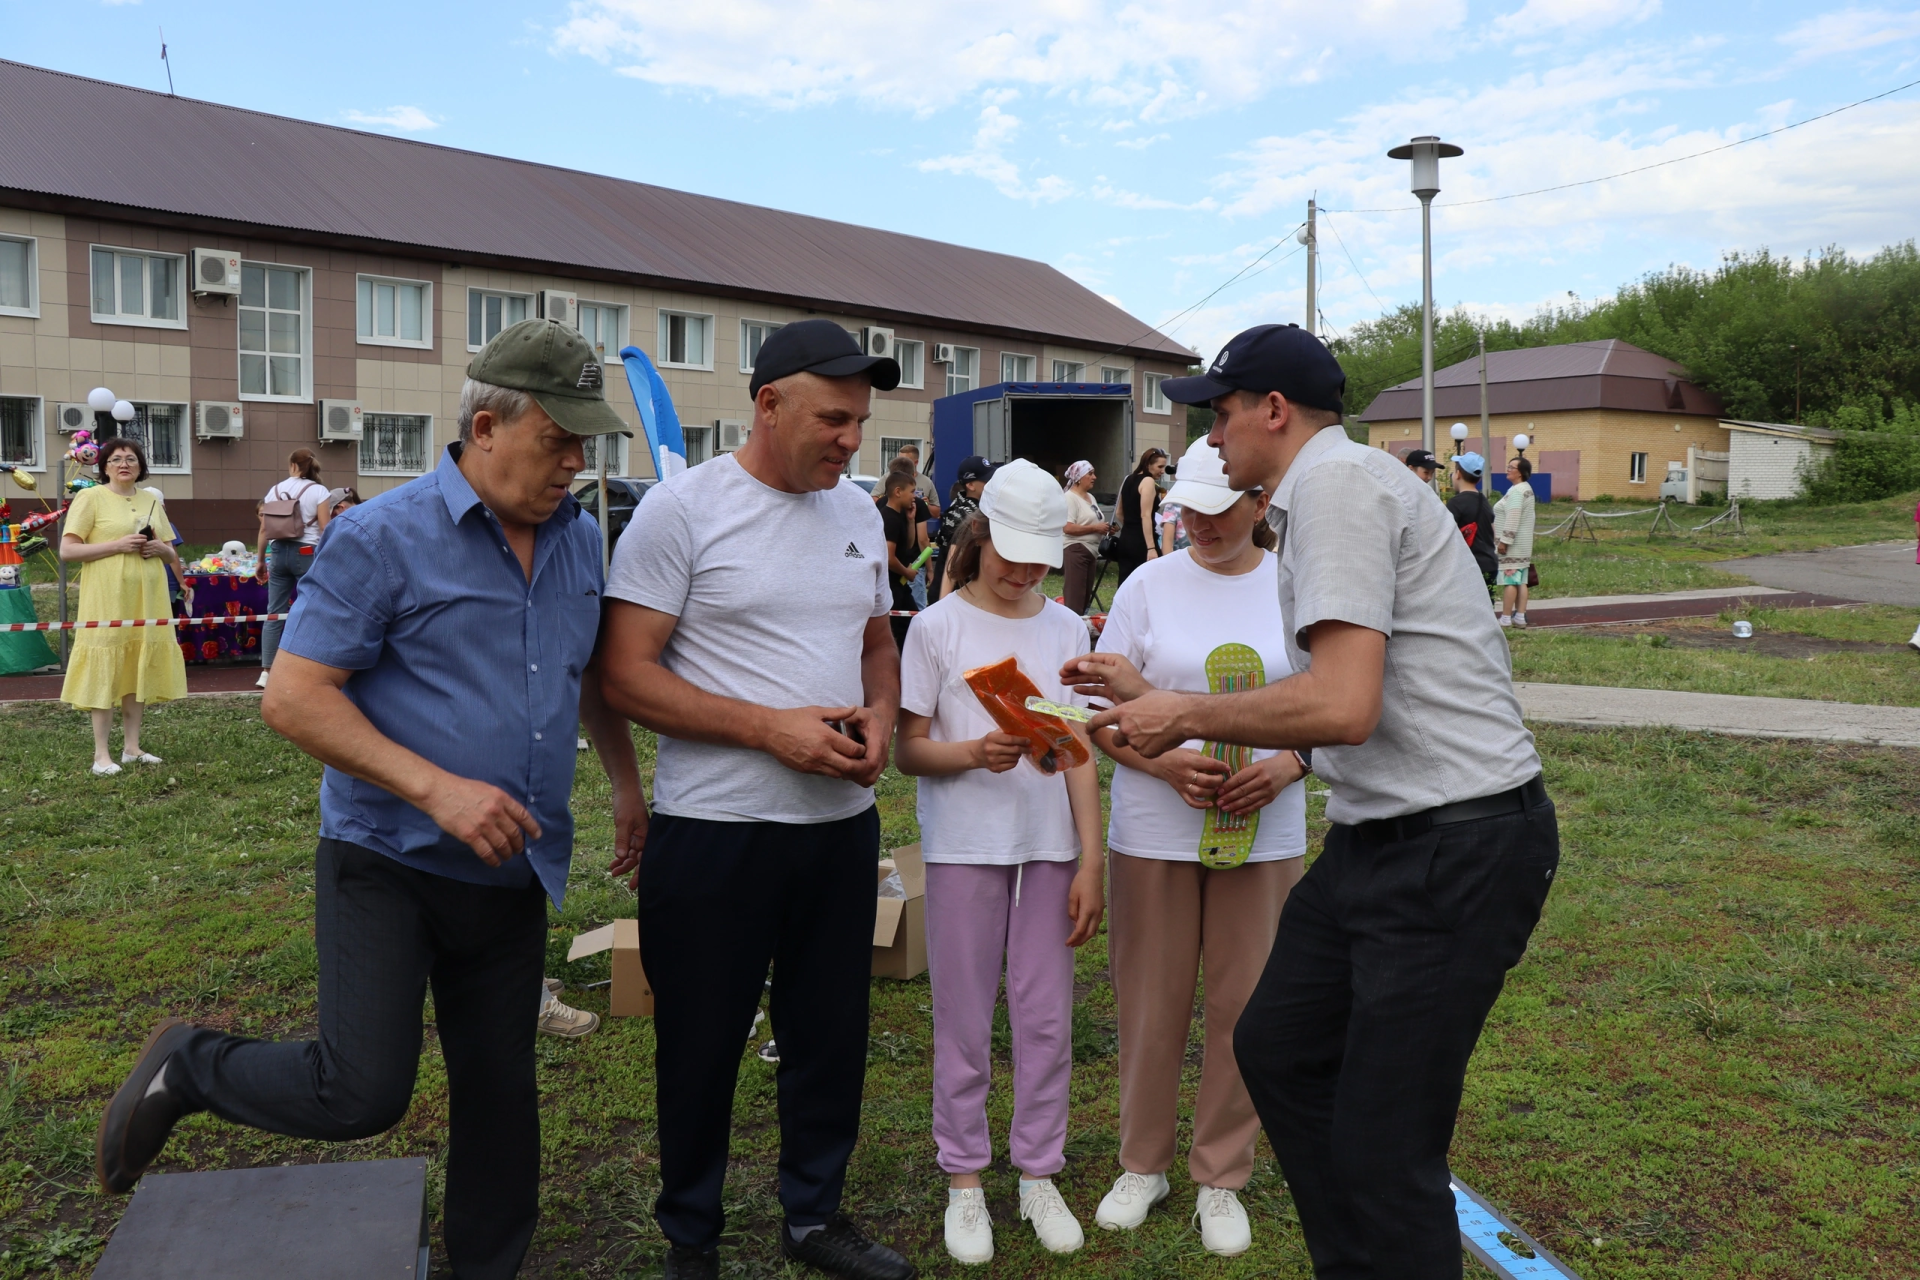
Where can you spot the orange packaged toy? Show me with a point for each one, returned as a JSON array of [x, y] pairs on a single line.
[[1003, 689]]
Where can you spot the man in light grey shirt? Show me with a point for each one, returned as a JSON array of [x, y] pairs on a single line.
[[1394, 946]]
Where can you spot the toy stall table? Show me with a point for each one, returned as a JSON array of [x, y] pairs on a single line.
[[215, 594]]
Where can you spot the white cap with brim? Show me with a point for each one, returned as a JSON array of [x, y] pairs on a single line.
[[1202, 481], [1026, 514]]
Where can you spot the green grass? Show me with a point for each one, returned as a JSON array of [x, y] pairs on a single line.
[[1634, 658], [1705, 1066]]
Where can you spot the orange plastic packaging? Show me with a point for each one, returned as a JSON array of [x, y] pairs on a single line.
[[1003, 689]]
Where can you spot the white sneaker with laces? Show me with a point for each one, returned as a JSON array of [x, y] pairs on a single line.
[[1132, 1198], [969, 1229], [1224, 1229], [565, 1021], [1053, 1222]]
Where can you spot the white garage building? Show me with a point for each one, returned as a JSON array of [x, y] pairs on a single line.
[[1772, 459]]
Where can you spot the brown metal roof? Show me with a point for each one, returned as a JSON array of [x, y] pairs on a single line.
[[1605, 374], [84, 145]]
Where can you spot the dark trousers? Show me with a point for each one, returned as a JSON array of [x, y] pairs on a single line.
[[384, 931], [1078, 571], [1355, 1043], [719, 902]]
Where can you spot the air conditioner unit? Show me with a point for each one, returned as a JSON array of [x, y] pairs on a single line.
[[732, 435], [556, 304], [942, 353], [216, 271], [217, 420], [877, 342], [70, 418], [339, 420]]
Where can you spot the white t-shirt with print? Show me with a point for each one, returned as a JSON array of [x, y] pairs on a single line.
[[981, 817], [308, 493], [773, 592], [1168, 616]]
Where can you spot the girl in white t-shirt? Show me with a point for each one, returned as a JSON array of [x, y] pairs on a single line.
[[1014, 859], [1170, 911]]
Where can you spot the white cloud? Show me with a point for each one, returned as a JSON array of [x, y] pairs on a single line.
[[404, 119], [1849, 31], [1554, 17], [988, 160], [1141, 144]]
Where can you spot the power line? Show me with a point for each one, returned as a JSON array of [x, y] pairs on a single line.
[[1157, 328], [1350, 261]]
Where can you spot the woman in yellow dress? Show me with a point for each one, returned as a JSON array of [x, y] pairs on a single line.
[[122, 536]]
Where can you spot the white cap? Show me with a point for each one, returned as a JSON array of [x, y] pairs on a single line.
[[1200, 483], [1026, 514]]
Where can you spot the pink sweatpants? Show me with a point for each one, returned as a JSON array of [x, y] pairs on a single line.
[[973, 924]]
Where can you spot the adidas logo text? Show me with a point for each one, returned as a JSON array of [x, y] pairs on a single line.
[[854, 553]]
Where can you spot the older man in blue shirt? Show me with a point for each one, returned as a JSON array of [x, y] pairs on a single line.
[[437, 663]]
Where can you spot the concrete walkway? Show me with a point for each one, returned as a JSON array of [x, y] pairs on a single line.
[[1701, 602], [1881, 572], [1727, 713]]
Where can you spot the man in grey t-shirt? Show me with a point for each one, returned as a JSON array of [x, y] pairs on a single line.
[[1396, 943], [747, 626]]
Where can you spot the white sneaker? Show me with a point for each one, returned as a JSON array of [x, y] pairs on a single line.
[[1053, 1222], [1224, 1229], [142, 757], [106, 770], [261, 683], [1520, 620], [1506, 619], [1915, 642], [969, 1229], [565, 1021], [1132, 1198]]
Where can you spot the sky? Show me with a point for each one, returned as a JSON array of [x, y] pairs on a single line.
[[1151, 149]]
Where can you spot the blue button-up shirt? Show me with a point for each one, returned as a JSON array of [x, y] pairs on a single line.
[[456, 656]]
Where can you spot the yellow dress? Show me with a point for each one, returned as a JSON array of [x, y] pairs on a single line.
[[106, 663]]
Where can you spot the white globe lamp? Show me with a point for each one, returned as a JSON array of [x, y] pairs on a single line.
[[1521, 441], [123, 411], [100, 399]]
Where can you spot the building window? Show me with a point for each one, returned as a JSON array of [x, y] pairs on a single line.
[[160, 429], [489, 313], [890, 447], [19, 276], [20, 432], [963, 370], [1110, 377], [1015, 368], [395, 444], [699, 443], [685, 340], [912, 358], [616, 454], [752, 334], [137, 288], [395, 313], [1068, 371], [605, 328], [1156, 399], [1637, 469], [273, 332]]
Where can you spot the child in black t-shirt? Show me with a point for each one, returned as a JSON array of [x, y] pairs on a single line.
[[1473, 513]]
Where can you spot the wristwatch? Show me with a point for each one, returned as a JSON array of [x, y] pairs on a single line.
[[1305, 758]]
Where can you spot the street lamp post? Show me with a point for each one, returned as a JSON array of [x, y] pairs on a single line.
[[1426, 152], [1459, 434], [1309, 236]]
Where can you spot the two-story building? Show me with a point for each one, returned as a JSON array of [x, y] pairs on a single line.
[[254, 284]]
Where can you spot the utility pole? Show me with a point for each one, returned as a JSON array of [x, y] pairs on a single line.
[[1486, 432], [1309, 236]]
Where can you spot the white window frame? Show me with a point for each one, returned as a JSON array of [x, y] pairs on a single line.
[[32, 309], [971, 379], [39, 431], [428, 458], [665, 316], [622, 324], [890, 448], [622, 459], [1152, 398], [306, 336], [1079, 366], [1012, 363], [484, 294], [139, 322], [186, 437], [424, 342], [1636, 468], [1108, 380], [918, 381], [770, 327]]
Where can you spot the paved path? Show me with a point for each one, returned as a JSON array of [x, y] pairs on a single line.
[[46, 688], [1704, 602], [1728, 713], [1883, 572]]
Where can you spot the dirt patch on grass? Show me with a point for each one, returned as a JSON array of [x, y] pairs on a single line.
[[1695, 634]]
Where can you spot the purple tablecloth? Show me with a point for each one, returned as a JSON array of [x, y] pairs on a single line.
[[210, 594]]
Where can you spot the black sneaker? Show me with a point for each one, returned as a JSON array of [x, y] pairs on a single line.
[[684, 1263], [842, 1249], [142, 1113]]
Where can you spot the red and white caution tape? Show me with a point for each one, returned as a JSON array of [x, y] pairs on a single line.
[[214, 620]]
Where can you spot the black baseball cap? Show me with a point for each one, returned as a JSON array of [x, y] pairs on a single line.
[[974, 468], [1423, 458], [822, 347], [1268, 357]]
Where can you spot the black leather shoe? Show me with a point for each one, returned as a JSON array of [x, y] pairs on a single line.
[[844, 1250], [691, 1264], [142, 1113]]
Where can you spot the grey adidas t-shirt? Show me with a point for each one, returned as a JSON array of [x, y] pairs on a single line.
[[1363, 541], [773, 591]]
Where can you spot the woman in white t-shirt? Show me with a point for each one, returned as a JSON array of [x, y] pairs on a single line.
[[1169, 910], [1085, 525], [1014, 860], [283, 560]]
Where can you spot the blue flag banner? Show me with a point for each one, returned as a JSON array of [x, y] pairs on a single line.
[[666, 443]]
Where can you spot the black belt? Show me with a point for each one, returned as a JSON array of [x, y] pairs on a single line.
[[1528, 795]]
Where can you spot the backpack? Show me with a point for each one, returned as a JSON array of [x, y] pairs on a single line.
[[281, 518]]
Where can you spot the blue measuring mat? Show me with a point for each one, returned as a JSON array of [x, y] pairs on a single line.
[[1480, 1228]]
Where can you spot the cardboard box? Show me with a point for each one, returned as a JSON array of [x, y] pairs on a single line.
[[632, 997], [900, 924]]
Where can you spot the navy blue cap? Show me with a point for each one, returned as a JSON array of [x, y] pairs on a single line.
[[974, 468], [822, 347], [1268, 357]]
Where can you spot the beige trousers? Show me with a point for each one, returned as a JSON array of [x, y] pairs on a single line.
[[1165, 918]]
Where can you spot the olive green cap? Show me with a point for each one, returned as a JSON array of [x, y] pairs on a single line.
[[552, 363]]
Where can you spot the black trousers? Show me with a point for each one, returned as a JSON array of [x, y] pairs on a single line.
[[384, 931], [1354, 1046], [719, 902]]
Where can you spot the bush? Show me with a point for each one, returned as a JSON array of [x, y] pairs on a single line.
[[1865, 465]]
